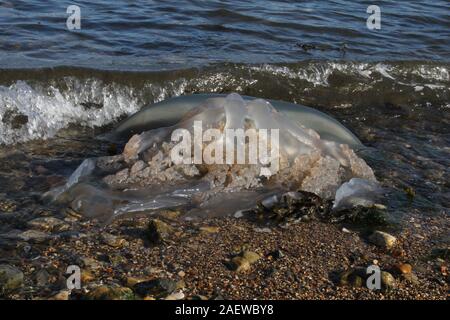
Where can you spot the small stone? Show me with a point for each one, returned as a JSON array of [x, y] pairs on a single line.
[[344, 277], [250, 256], [34, 236], [387, 280], [42, 277], [86, 276], [198, 297], [353, 277], [62, 295], [11, 278], [277, 254], [91, 264], [175, 296], [7, 206], [356, 281], [170, 214], [48, 224], [410, 277], [112, 240], [155, 287], [158, 231], [110, 293], [181, 274], [383, 239], [132, 281], [209, 229], [403, 268], [239, 264]]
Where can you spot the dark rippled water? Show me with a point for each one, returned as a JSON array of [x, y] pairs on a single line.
[[174, 34], [59, 88]]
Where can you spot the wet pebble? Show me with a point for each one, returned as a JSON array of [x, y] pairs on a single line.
[[383, 239], [387, 280], [34, 236], [61, 295], [110, 293], [113, 241], [48, 224], [11, 278], [175, 296], [155, 287], [158, 231], [403, 268]]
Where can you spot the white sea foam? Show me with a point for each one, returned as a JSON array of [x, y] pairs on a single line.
[[49, 110]]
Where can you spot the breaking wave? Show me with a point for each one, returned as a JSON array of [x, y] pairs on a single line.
[[37, 103]]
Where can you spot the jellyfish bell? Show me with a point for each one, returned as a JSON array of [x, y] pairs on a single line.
[[165, 164]]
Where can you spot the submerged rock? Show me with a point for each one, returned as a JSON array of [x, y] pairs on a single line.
[[158, 231], [48, 224], [387, 280], [34, 236], [112, 240], [11, 278], [403, 268], [7, 206], [383, 239]]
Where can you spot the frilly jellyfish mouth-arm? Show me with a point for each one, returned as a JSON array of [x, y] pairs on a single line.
[[147, 177]]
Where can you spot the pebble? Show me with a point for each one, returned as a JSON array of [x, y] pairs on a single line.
[[42, 277], [7, 206], [403, 268], [277, 254], [86, 276], [11, 278], [209, 229], [156, 287], [91, 263], [240, 264], [110, 293], [113, 241], [383, 239], [410, 277], [387, 280], [175, 296], [250, 256], [243, 261], [62, 295], [47, 224], [158, 231], [34, 236]]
